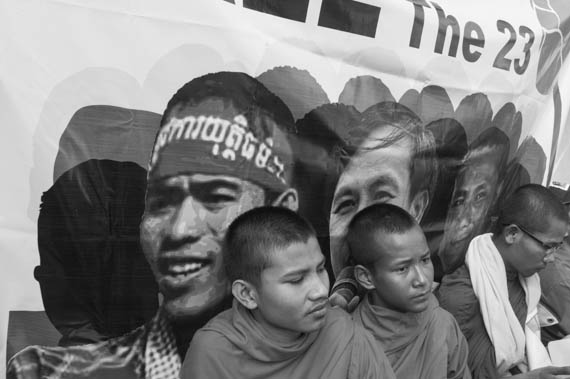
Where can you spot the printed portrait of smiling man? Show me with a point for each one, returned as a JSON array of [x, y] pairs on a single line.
[[218, 154], [221, 150]]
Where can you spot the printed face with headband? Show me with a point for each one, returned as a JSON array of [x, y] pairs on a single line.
[[214, 158]]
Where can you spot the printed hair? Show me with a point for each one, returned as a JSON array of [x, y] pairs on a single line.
[[491, 145], [239, 89], [247, 96], [406, 124]]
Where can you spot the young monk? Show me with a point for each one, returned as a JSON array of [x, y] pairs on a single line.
[[393, 263], [280, 325]]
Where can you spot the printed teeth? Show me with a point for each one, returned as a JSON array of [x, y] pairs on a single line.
[[182, 266], [185, 268]]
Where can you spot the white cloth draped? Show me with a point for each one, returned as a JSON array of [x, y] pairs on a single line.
[[513, 345]]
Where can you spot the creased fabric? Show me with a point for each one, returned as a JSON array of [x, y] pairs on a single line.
[[426, 345], [148, 352], [512, 344], [232, 345]]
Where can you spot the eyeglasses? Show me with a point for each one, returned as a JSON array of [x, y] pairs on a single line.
[[546, 246]]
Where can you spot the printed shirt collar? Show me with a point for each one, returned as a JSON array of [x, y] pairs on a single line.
[[161, 359]]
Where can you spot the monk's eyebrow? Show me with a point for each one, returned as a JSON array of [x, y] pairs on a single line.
[[295, 273], [303, 271], [401, 261]]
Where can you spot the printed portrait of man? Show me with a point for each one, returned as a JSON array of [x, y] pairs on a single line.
[[389, 158], [217, 156], [477, 186], [221, 150]]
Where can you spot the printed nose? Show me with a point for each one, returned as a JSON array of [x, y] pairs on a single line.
[[187, 221], [465, 216]]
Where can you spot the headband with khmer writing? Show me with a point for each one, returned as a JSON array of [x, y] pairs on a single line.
[[226, 124]]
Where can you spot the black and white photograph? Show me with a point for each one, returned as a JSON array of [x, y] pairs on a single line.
[[285, 189]]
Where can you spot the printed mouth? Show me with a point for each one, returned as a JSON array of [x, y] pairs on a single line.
[[462, 236], [180, 267]]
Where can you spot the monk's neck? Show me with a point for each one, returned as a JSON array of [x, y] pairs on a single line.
[[505, 251], [512, 274], [376, 301], [276, 334]]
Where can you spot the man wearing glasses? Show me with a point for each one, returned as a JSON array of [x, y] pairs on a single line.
[[495, 294], [555, 280]]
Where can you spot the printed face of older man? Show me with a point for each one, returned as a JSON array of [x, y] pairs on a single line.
[[373, 175]]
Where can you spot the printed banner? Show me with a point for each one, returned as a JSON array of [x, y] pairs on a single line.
[[135, 132]]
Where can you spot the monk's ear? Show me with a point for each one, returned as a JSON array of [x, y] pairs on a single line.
[[419, 205], [288, 199], [363, 277], [245, 293], [511, 234]]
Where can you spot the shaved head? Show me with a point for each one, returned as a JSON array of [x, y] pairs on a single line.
[[371, 223], [532, 206], [256, 235]]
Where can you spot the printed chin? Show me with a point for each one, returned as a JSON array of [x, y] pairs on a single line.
[[462, 236], [192, 305], [459, 246]]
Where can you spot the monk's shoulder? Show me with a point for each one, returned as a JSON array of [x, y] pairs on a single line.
[[459, 277], [443, 317], [209, 338], [221, 319], [216, 331], [445, 322], [337, 314], [210, 354], [456, 295], [208, 346], [338, 319]]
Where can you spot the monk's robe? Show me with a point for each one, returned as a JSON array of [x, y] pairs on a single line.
[[427, 345], [496, 308], [233, 345], [456, 295]]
